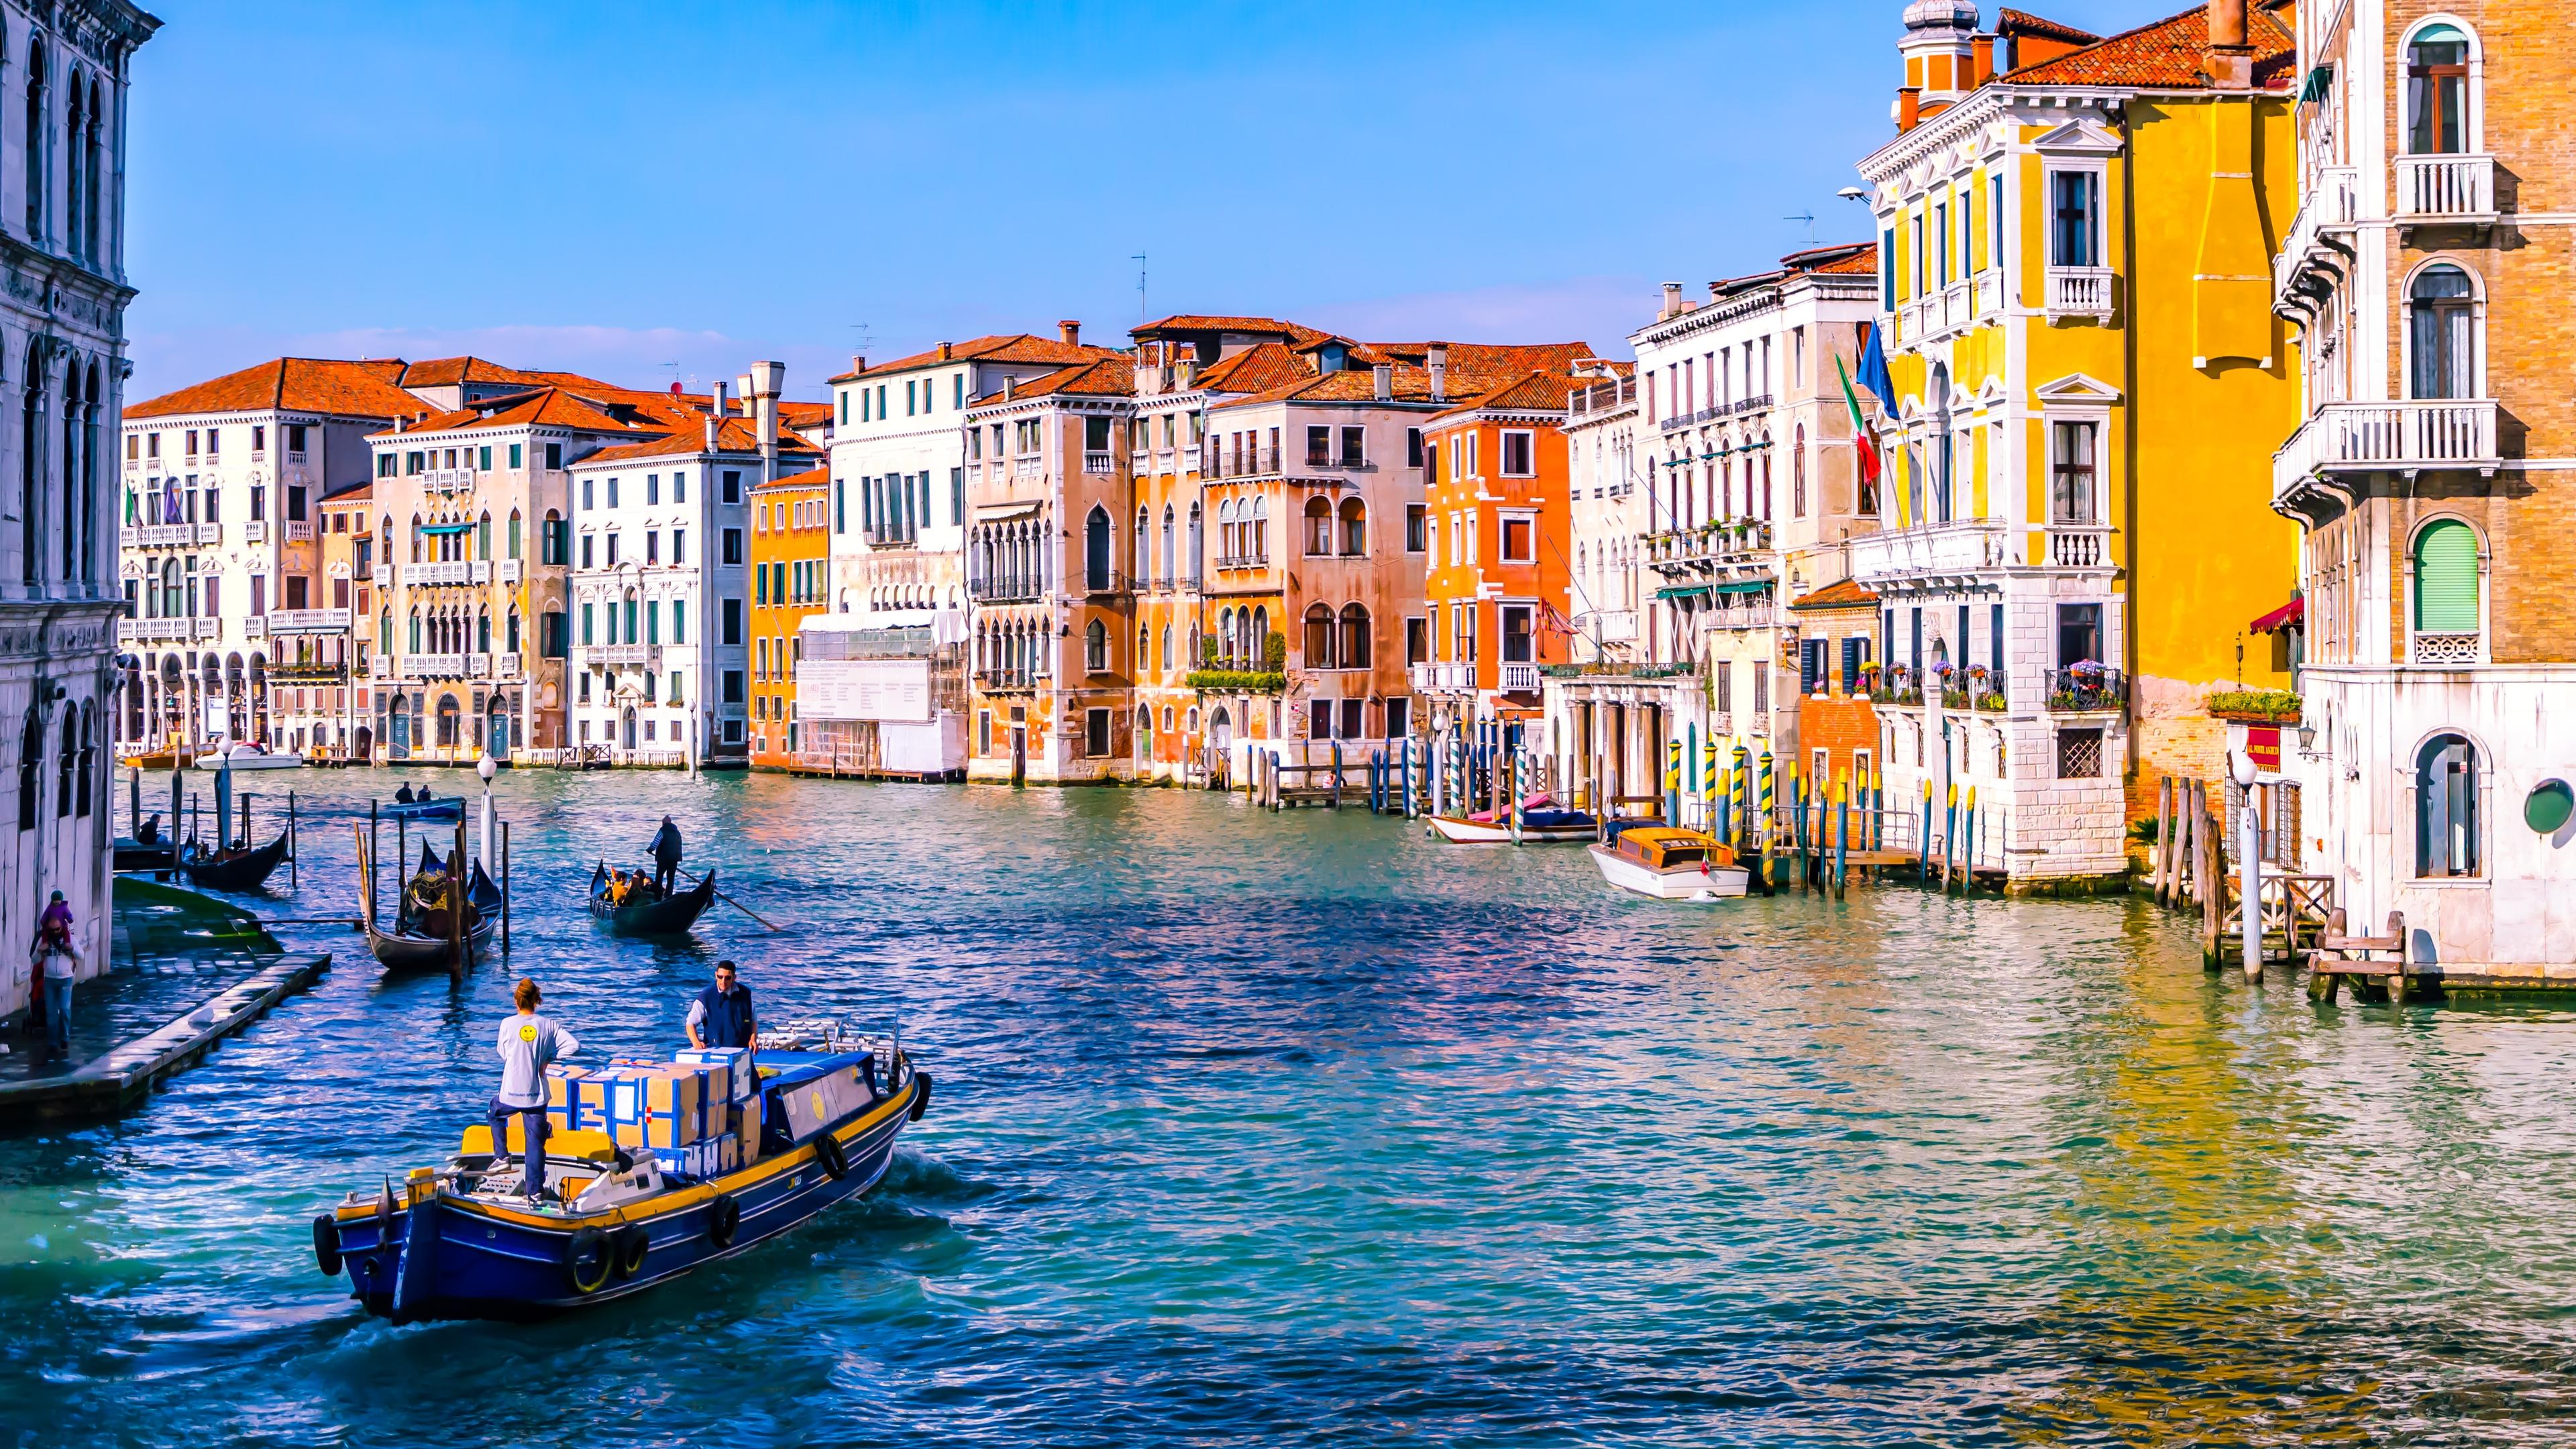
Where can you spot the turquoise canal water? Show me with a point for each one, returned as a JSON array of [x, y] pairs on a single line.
[[1299, 1129]]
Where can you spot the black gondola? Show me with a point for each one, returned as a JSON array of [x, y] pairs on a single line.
[[422, 939], [239, 869], [670, 916]]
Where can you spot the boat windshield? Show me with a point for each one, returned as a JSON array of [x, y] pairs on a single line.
[[1683, 854]]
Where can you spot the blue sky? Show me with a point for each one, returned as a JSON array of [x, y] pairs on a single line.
[[616, 189]]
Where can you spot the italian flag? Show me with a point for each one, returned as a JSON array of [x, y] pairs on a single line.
[[1862, 442]]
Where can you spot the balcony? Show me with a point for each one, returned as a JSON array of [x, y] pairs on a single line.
[[1989, 297], [447, 572], [509, 570], [505, 666], [1009, 589], [2447, 647], [2079, 546], [383, 574], [1028, 469], [1708, 546], [2079, 294], [380, 667], [1741, 616], [2327, 209], [447, 480], [616, 655], [299, 532], [1896, 684], [255, 531], [433, 666], [1972, 688], [255, 627], [1607, 670], [1601, 397], [1520, 678], [2082, 690], [478, 666], [1096, 462], [1607, 625], [160, 631], [308, 621], [2388, 437], [1921, 556], [159, 535], [1105, 583], [1453, 678], [2446, 189]]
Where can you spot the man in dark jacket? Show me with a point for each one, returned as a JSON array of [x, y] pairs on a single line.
[[666, 858], [721, 1015]]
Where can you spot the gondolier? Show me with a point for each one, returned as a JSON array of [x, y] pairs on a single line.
[[721, 1015], [528, 1044], [666, 858]]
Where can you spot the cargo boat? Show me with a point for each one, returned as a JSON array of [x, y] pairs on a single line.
[[462, 1242]]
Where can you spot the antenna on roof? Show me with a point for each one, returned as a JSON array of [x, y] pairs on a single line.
[[867, 338], [1809, 218], [1141, 314]]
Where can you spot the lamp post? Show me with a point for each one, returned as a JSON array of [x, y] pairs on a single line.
[[485, 768], [2249, 843]]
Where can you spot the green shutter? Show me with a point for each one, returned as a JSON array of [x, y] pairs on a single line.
[[2446, 579]]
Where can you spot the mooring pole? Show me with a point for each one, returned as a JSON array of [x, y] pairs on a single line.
[[505, 887]]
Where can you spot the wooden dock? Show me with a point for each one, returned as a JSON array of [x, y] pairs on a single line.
[[110, 1083]]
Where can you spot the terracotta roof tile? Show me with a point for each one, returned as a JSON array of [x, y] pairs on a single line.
[[1849, 257], [302, 384], [2173, 52], [733, 435], [1110, 376], [810, 478], [1840, 594], [2009, 21], [1011, 347], [1355, 385], [1295, 334], [1536, 392], [1493, 359], [1260, 366], [452, 371], [549, 406]]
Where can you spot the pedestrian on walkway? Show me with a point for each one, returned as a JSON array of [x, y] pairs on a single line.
[[58, 962]]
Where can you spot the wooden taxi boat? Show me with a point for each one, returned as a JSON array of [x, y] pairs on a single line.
[[463, 1242], [1670, 865]]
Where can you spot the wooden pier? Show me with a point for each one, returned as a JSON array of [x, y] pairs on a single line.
[[110, 1083]]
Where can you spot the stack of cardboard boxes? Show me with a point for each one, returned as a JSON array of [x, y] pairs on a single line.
[[698, 1116]]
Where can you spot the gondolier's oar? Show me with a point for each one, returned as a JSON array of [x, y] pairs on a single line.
[[746, 910]]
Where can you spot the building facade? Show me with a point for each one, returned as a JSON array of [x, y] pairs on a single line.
[[2085, 374], [791, 568], [1496, 532], [2427, 266], [62, 339]]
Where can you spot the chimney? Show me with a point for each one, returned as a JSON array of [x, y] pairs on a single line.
[[1909, 108], [1672, 301], [715, 415], [1010, 388], [1982, 51], [766, 378], [858, 362], [1070, 331], [2231, 60], [1435, 360], [1384, 373], [943, 352]]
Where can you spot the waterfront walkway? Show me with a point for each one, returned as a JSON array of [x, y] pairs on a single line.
[[137, 1024]]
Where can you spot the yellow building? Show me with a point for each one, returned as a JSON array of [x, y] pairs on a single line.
[[2088, 382]]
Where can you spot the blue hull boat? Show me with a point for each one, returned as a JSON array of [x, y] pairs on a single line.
[[450, 808], [444, 1245]]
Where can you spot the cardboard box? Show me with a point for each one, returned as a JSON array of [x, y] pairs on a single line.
[[739, 1079], [561, 1110], [746, 1130], [659, 1105], [699, 1160]]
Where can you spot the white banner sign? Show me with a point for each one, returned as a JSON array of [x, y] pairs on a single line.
[[864, 689]]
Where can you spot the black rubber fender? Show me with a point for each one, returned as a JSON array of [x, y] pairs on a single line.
[[326, 1245], [633, 1245], [921, 1101], [589, 1259], [724, 1216], [834, 1157]]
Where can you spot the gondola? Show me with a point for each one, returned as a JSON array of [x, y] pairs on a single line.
[[423, 941], [672, 916], [238, 869]]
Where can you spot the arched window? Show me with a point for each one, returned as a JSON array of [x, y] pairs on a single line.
[[415, 633], [483, 536], [483, 631], [36, 149], [1319, 637], [1354, 528], [448, 714], [173, 595], [1258, 549], [2437, 91], [385, 631], [1355, 637], [2442, 333], [67, 763], [1169, 553], [31, 758], [513, 630], [554, 545], [1319, 526], [1166, 657], [1141, 561], [1141, 654], [94, 143], [2446, 588], [415, 538], [1095, 550], [1225, 640], [86, 510], [1197, 545], [31, 407], [514, 534], [1259, 653], [2446, 807], [1095, 647], [88, 758], [1798, 475]]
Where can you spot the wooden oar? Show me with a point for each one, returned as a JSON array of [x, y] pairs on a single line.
[[746, 910]]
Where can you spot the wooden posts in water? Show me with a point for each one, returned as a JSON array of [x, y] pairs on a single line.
[[2160, 869], [505, 887], [1923, 842], [293, 845], [456, 903], [1968, 849], [1842, 833]]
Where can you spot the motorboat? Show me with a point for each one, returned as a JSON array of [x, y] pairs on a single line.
[[1538, 827], [1669, 864], [465, 1240], [247, 755], [450, 807]]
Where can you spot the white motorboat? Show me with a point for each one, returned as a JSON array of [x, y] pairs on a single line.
[[1671, 865], [1457, 830], [248, 756]]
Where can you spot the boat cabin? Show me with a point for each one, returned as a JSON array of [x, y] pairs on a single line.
[[1659, 847]]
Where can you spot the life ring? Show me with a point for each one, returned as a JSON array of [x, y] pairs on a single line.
[[326, 1245], [920, 1102], [724, 1215], [633, 1244], [834, 1157], [588, 1260]]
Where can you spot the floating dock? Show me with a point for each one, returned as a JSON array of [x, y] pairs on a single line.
[[110, 1083]]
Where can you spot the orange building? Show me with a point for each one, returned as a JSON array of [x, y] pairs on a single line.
[[1837, 721], [1496, 530], [791, 565]]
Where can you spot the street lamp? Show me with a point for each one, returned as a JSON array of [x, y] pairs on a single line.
[[485, 768], [2249, 841]]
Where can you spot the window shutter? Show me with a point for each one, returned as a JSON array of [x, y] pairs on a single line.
[[2446, 579]]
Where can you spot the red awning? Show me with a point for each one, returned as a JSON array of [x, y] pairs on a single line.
[[2288, 616]]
